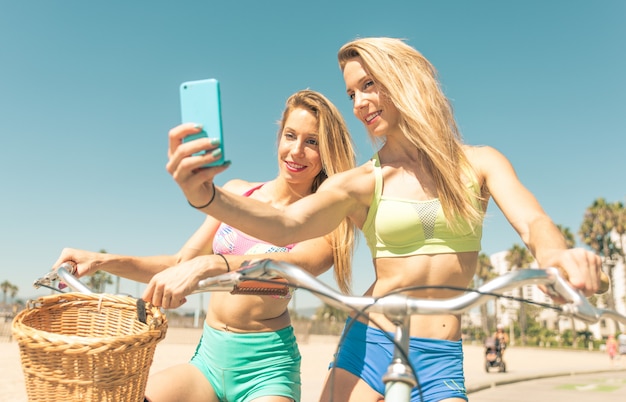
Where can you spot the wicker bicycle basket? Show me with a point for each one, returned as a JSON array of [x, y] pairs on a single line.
[[87, 347]]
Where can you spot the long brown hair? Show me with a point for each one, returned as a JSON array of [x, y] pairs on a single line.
[[337, 155]]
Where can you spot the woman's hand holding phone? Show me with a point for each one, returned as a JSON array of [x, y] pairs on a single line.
[[188, 163]]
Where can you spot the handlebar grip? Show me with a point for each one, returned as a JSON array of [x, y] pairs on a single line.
[[603, 287], [66, 272], [70, 266]]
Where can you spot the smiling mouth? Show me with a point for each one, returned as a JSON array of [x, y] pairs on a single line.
[[294, 166], [372, 116]]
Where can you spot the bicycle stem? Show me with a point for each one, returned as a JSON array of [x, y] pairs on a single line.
[[399, 369]]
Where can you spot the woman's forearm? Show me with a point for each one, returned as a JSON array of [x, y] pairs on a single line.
[[140, 269]]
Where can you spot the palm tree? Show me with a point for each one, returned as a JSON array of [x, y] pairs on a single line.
[[619, 230], [98, 281], [570, 241], [117, 277], [13, 291], [601, 221], [5, 286], [519, 257], [484, 273]]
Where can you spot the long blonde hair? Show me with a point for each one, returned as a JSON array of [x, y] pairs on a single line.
[[337, 155], [410, 82]]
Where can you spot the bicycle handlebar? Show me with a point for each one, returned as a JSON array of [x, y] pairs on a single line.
[[396, 306], [64, 273]]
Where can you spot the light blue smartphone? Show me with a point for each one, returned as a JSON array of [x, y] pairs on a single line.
[[200, 103]]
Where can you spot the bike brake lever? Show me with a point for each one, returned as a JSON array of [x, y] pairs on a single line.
[[576, 304], [64, 273], [46, 280], [257, 269], [250, 270], [53, 276]]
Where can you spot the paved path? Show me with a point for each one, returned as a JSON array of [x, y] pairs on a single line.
[[605, 387], [532, 363], [535, 374], [522, 364]]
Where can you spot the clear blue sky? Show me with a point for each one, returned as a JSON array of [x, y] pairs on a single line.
[[88, 91]]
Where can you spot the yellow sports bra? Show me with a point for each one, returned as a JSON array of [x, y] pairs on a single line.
[[397, 227]]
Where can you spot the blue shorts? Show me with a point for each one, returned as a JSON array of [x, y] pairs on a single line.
[[366, 352], [245, 366]]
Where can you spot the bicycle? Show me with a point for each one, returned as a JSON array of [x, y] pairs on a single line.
[[401, 378], [268, 277]]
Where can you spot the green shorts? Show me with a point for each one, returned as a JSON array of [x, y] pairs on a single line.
[[242, 367]]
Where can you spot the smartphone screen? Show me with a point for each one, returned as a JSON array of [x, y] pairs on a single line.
[[200, 103]]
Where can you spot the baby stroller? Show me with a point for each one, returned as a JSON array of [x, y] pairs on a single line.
[[493, 355]]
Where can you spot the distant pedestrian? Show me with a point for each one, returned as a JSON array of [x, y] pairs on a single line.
[[611, 348], [502, 339]]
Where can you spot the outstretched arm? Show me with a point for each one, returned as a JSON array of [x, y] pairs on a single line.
[[536, 229], [139, 268], [312, 216], [169, 288]]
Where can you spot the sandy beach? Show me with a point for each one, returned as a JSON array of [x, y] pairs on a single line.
[[317, 352]]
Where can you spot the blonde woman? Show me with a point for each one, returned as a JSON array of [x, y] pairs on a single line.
[[420, 203], [248, 350]]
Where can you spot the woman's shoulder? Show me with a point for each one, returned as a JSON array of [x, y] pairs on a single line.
[[484, 158], [356, 183], [479, 151], [359, 173]]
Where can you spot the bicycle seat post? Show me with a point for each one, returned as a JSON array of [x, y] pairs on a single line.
[[400, 379]]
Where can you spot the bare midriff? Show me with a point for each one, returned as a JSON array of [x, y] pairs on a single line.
[[246, 313], [455, 270]]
